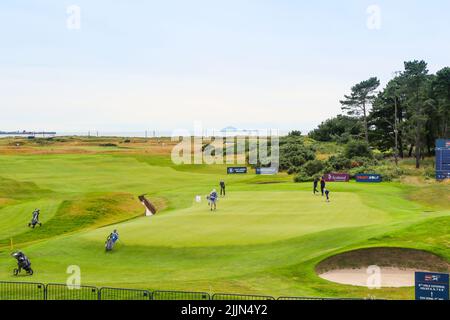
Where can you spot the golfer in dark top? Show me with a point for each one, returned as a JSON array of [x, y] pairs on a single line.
[[322, 185], [316, 182], [327, 193], [222, 188]]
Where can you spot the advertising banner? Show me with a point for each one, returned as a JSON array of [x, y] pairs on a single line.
[[368, 177], [266, 171], [442, 159], [237, 170], [431, 286], [337, 177]]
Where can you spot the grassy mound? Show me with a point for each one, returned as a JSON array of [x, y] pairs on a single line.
[[87, 212]]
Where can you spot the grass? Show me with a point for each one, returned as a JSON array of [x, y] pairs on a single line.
[[266, 237]]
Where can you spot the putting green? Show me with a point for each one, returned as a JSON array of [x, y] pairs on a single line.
[[265, 237]]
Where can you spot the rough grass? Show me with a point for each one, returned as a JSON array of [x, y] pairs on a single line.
[[433, 195], [13, 189]]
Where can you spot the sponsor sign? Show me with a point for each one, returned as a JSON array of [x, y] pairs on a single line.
[[336, 177], [236, 170], [267, 171], [442, 159], [368, 177], [443, 143], [431, 286]]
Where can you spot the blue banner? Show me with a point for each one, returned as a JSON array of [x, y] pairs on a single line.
[[236, 170], [268, 171], [431, 286], [442, 159], [443, 143], [368, 177]]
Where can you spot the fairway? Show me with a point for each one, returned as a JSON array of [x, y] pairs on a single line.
[[266, 236]]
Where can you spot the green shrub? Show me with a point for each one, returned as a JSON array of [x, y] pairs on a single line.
[[293, 153], [313, 167], [389, 172], [338, 162], [338, 128], [362, 161], [303, 177], [430, 173], [357, 148], [296, 133], [292, 170], [108, 145]]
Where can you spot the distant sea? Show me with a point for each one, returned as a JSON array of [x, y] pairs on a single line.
[[127, 134], [143, 134]]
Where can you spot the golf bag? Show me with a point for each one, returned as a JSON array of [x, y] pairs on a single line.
[[22, 263], [111, 240], [109, 244]]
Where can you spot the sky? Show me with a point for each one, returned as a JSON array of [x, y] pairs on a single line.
[[122, 65]]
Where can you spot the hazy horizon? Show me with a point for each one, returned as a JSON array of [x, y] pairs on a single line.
[[147, 65]]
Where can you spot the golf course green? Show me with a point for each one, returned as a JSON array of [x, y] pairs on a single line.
[[266, 237]]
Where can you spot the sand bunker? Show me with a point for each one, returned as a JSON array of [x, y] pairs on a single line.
[[395, 267], [389, 277]]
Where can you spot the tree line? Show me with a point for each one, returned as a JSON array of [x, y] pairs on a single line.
[[405, 117]]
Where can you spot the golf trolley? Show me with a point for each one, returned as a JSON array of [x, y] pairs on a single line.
[[109, 244], [35, 220], [22, 263]]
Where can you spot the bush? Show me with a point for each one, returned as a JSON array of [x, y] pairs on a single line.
[[295, 133], [294, 154], [356, 148], [292, 170], [430, 173], [362, 161], [343, 138], [338, 163], [388, 173], [313, 167], [303, 177], [338, 128], [108, 145]]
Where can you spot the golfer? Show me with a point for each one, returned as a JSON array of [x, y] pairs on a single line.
[[213, 199], [327, 194], [316, 182], [114, 236], [222, 188], [322, 185], [36, 214]]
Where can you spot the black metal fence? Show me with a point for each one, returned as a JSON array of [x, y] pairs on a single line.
[[180, 295], [124, 294], [232, 296], [22, 291], [55, 291], [300, 298]]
